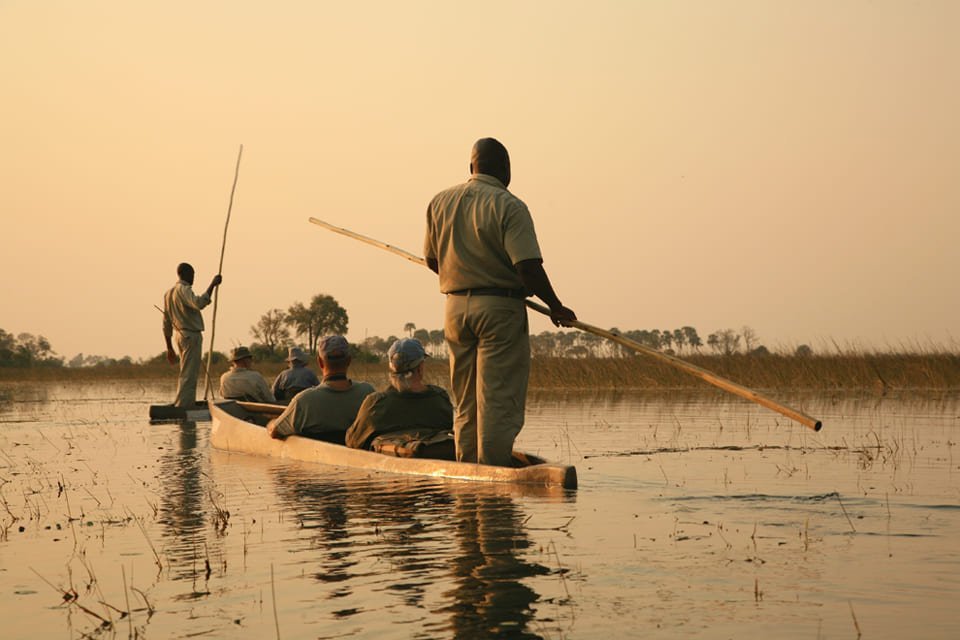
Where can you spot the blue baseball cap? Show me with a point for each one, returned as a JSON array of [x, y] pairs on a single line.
[[406, 355]]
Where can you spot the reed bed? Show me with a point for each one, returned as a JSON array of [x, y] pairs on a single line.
[[878, 373]]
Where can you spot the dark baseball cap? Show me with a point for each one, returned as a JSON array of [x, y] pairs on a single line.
[[333, 347]]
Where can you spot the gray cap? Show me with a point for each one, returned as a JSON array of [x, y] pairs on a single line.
[[240, 353], [296, 353], [405, 355], [333, 347]]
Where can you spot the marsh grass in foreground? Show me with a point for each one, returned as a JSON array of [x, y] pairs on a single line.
[[873, 372]]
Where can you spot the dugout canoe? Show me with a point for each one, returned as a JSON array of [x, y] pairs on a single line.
[[200, 412], [235, 429]]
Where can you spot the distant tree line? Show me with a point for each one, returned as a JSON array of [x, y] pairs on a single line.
[[304, 324], [26, 350], [576, 344], [682, 341]]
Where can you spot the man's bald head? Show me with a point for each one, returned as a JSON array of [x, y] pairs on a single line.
[[185, 271], [489, 157]]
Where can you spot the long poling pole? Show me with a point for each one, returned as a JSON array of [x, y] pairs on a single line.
[[692, 369], [207, 391]]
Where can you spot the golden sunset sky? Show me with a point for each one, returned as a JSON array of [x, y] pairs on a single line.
[[793, 166]]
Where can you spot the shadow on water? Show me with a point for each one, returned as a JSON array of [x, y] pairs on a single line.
[[449, 555]]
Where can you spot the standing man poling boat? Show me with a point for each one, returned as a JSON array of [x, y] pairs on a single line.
[[480, 240], [181, 311]]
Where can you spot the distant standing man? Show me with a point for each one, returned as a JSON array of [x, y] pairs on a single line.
[[294, 379], [325, 411], [241, 382], [480, 240], [181, 311]]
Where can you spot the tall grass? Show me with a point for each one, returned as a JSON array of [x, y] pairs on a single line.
[[876, 372], [845, 371]]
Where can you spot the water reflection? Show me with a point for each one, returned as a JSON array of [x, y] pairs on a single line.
[[489, 598], [321, 508], [181, 511], [403, 547]]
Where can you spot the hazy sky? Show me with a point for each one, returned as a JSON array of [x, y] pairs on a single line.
[[791, 166]]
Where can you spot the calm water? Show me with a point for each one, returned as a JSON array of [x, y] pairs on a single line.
[[697, 516]]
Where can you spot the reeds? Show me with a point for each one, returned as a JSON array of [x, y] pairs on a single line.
[[878, 373]]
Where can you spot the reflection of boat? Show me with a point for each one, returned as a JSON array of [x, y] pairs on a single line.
[[236, 427], [163, 412], [462, 557]]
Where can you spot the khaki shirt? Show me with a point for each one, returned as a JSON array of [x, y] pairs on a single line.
[[181, 309], [477, 232], [245, 384]]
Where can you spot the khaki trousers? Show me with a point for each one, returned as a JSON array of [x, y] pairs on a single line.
[[191, 355], [489, 343]]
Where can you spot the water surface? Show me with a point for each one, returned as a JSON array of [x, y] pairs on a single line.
[[696, 515]]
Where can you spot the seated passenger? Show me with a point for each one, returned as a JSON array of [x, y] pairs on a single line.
[[294, 379], [409, 419], [240, 382], [325, 411]]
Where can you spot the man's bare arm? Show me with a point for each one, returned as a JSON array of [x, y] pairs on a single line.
[[535, 280]]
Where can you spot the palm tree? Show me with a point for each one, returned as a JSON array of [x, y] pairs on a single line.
[[679, 339], [410, 328], [692, 338], [666, 338]]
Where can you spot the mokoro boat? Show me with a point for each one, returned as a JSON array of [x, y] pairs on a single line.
[[200, 412], [235, 428]]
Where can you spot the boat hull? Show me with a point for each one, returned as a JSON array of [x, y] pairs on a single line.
[[169, 413], [231, 431]]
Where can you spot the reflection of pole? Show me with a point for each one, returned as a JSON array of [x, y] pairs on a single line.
[[216, 292]]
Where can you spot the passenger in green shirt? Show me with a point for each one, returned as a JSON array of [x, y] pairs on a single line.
[[410, 418], [325, 411]]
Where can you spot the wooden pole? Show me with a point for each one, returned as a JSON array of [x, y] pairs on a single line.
[[207, 392], [703, 374]]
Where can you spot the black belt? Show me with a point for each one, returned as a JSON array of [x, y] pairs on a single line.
[[519, 294]]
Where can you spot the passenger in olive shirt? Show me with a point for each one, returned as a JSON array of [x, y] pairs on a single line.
[[325, 411], [421, 411]]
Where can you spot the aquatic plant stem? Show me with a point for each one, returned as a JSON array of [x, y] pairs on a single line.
[[126, 595], [844, 509], [703, 374], [856, 625], [273, 592], [207, 391]]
